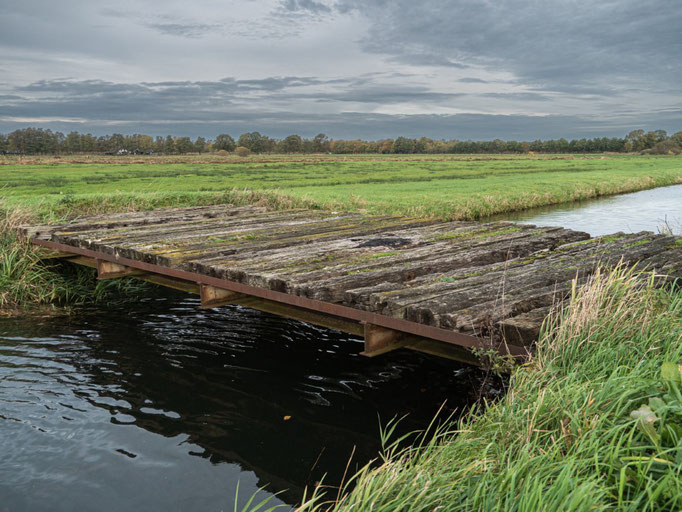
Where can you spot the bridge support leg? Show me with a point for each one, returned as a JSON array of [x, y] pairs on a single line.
[[379, 340], [111, 270], [212, 297]]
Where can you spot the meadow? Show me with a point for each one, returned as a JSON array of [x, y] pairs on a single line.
[[445, 186]]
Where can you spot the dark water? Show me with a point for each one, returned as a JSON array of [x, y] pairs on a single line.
[[648, 210], [161, 406]]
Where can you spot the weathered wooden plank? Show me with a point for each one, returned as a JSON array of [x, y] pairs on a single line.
[[131, 219], [496, 280]]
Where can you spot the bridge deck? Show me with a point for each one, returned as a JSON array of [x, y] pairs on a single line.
[[423, 284]]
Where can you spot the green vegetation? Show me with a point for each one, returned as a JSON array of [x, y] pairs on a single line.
[[27, 281], [441, 186], [38, 141], [592, 422]]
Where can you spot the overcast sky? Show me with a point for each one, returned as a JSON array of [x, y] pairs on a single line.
[[480, 69]]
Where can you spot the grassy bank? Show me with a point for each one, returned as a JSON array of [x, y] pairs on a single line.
[[27, 282], [447, 186], [593, 422]]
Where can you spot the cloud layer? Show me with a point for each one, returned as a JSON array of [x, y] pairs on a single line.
[[465, 69]]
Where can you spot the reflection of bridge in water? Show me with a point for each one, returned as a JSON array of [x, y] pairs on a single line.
[[439, 287]]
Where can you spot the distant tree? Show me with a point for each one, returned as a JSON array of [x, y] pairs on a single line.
[[403, 145], [88, 143], [183, 145], [72, 142], [320, 143], [421, 144], [633, 140], [242, 151], [677, 138], [386, 146], [116, 142], [515, 147], [291, 144], [224, 142], [256, 142], [143, 143], [37, 140], [34, 140], [665, 147], [199, 145], [169, 145]]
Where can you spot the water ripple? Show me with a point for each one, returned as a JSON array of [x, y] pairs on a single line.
[[161, 406]]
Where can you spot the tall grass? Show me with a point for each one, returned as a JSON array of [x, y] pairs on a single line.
[[592, 422], [26, 280]]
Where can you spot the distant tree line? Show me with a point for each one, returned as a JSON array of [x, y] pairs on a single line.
[[33, 141]]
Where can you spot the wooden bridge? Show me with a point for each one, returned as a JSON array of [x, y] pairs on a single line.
[[443, 288]]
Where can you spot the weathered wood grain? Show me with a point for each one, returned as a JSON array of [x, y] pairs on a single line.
[[496, 280]]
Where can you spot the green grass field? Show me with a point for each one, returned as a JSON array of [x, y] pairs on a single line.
[[445, 186]]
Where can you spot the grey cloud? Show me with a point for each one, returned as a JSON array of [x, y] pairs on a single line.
[[470, 80], [548, 43], [306, 5], [185, 106], [208, 100], [184, 29], [278, 83], [611, 63], [386, 96], [70, 87], [516, 96], [425, 59]]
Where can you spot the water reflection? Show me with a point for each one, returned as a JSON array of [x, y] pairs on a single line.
[[165, 407], [648, 210]]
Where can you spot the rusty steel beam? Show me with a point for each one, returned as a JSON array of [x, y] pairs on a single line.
[[358, 315]]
